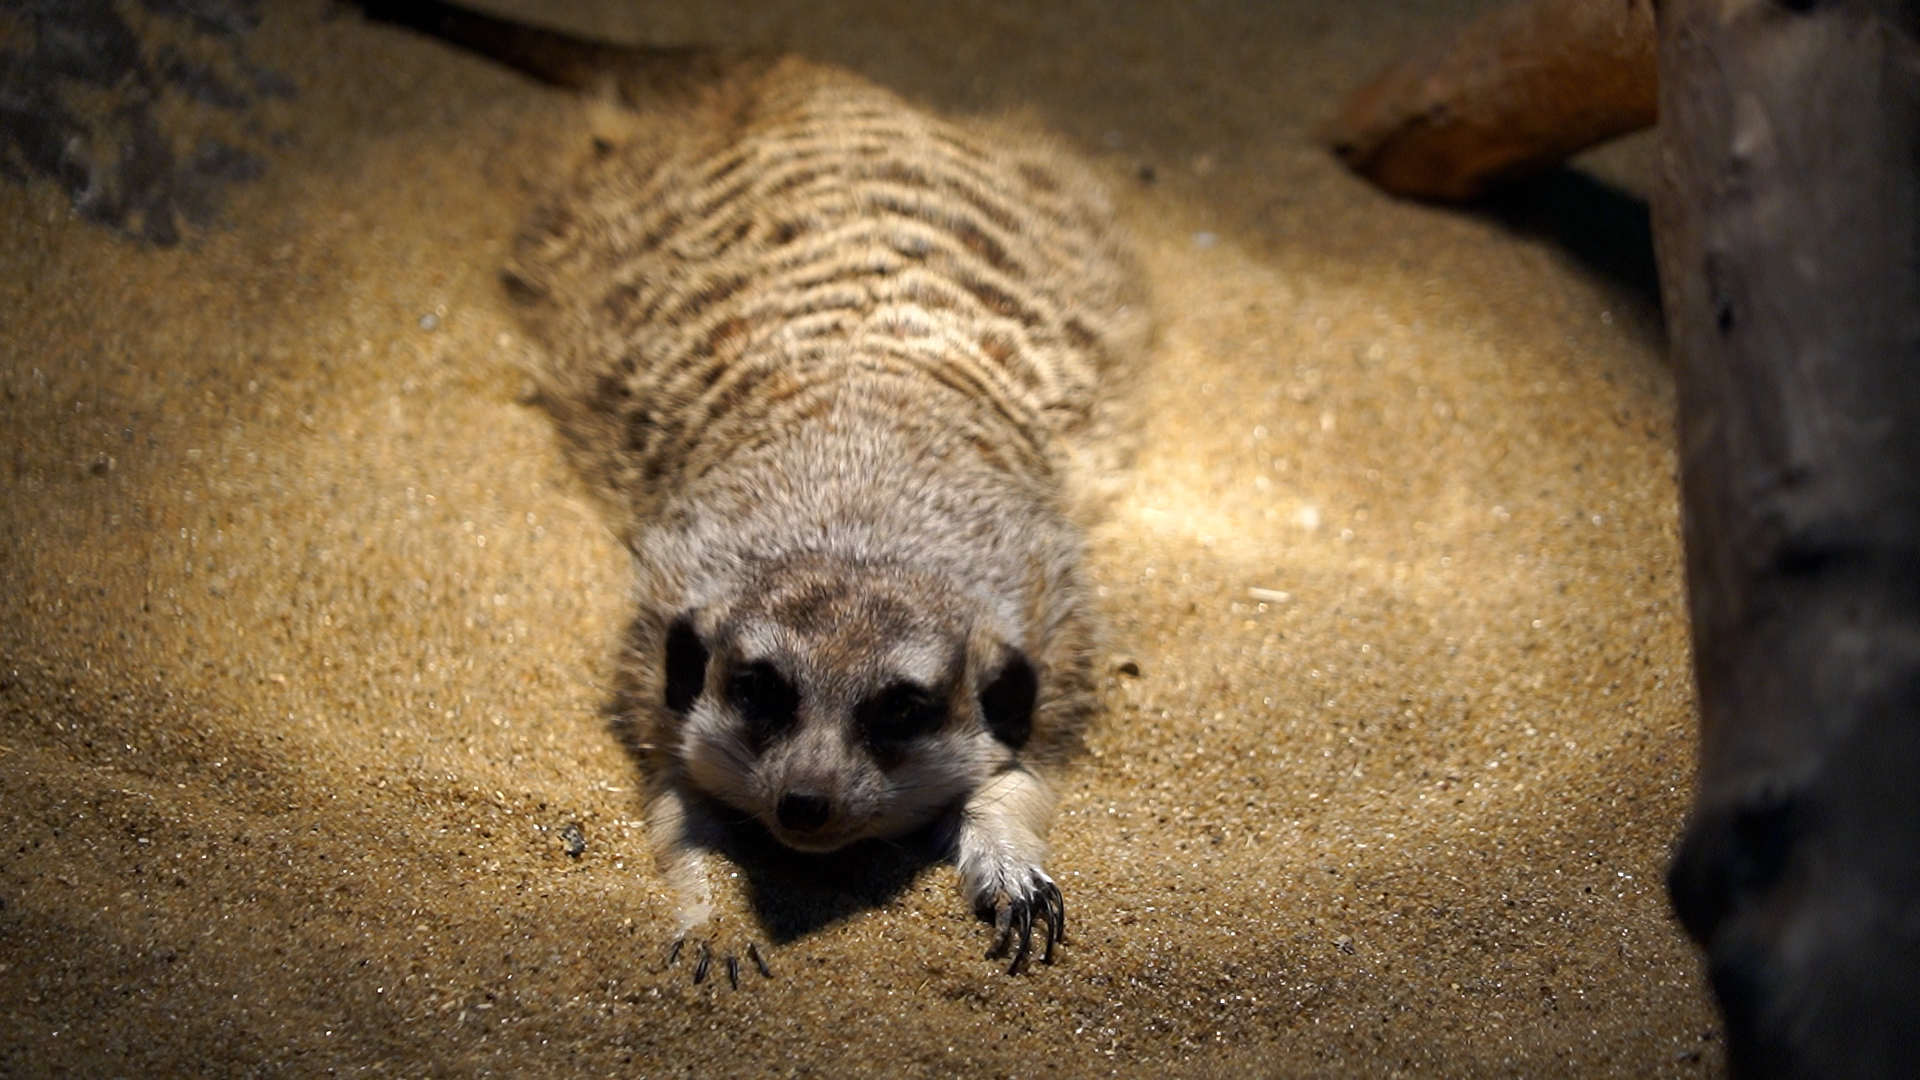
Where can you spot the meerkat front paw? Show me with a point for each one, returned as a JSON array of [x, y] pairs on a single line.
[[683, 863], [998, 855], [1013, 911]]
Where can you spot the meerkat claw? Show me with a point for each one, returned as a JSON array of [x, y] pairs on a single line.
[[1056, 913], [730, 962], [1014, 919], [1023, 922]]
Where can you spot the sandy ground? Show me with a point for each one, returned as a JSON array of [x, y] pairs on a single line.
[[307, 625]]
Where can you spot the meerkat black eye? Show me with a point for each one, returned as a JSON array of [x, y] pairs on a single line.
[[900, 712], [764, 696]]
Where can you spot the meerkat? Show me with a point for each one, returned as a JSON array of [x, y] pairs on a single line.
[[835, 364]]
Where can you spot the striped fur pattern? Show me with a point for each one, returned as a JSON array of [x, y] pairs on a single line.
[[835, 363], [711, 281]]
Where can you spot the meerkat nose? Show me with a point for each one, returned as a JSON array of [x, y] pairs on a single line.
[[803, 811]]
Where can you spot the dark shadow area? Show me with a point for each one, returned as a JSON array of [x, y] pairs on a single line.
[[1604, 229], [794, 894]]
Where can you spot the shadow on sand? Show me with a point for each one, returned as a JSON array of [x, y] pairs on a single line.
[[1604, 229]]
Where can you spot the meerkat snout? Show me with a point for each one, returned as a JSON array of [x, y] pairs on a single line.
[[804, 811]]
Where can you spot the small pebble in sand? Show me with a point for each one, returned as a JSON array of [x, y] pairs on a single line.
[[429, 322], [575, 838], [1269, 596], [1126, 665]]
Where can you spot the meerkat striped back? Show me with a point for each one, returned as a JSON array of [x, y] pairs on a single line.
[[734, 272]]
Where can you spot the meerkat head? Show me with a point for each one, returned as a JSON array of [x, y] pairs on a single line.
[[836, 702]]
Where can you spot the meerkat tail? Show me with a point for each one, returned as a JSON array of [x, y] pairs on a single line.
[[637, 73]]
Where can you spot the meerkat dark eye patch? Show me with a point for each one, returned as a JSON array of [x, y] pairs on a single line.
[[686, 666], [1007, 702], [765, 698], [900, 712]]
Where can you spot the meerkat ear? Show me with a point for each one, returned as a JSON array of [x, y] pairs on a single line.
[[1006, 703], [686, 664]]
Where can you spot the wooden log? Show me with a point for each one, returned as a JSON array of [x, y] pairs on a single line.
[[1522, 88], [1787, 223]]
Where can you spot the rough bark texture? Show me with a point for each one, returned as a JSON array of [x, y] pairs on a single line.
[[1787, 220], [1519, 89]]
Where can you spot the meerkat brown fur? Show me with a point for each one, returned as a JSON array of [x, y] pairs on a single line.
[[837, 366]]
